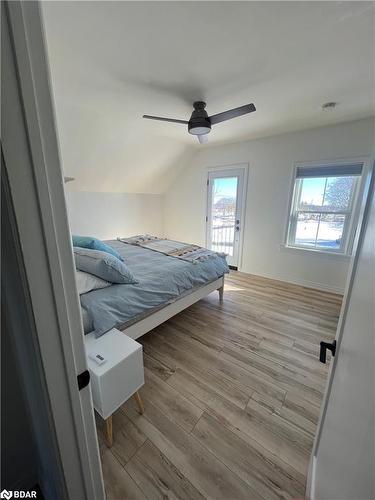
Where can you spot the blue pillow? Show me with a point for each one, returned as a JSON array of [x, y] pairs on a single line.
[[94, 244], [103, 265]]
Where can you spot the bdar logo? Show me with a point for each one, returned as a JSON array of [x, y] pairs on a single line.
[[17, 494], [6, 494]]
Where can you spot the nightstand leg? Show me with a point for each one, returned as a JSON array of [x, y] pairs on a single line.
[[109, 431], [139, 402]]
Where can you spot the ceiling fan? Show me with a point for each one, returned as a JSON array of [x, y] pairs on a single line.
[[200, 123]]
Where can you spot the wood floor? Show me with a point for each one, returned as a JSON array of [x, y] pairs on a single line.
[[232, 397]]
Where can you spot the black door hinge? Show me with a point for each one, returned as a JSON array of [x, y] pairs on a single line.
[[83, 379]]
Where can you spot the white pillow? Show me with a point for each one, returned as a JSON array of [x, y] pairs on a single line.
[[87, 282]]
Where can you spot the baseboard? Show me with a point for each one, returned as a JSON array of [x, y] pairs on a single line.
[[324, 287], [310, 485], [318, 286]]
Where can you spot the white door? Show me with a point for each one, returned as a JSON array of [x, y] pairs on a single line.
[[225, 203], [342, 465]]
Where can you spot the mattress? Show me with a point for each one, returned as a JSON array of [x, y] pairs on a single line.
[[161, 280]]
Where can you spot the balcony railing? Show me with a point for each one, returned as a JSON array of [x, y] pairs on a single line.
[[223, 238]]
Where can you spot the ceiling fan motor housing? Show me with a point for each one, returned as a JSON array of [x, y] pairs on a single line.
[[199, 122]]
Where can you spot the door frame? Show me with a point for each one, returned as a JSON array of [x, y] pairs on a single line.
[[31, 153], [232, 166], [364, 209]]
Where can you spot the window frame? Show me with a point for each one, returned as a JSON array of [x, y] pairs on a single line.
[[351, 214]]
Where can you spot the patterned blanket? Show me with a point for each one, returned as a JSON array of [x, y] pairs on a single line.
[[184, 251]]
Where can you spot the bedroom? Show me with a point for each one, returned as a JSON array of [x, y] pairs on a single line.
[[206, 381]]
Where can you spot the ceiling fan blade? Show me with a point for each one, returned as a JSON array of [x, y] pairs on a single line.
[[232, 113], [203, 139], [160, 118]]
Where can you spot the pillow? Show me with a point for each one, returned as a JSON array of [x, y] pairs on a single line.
[[94, 244], [103, 265], [87, 282]]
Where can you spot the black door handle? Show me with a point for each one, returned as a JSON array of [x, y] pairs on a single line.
[[323, 350]]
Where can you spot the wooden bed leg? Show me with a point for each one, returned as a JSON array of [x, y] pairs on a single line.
[[139, 402], [109, 431], [221, 293]]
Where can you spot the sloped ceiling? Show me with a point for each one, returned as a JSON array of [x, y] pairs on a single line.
[[112, 62]]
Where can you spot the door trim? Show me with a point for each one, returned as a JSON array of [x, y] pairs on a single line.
[[31, 153], [235, 166]]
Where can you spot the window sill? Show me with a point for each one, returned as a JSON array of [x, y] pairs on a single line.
[[311, 251]]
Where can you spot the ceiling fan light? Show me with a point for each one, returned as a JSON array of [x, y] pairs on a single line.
[[199, 130]]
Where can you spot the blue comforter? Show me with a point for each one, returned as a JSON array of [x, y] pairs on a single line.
[[162, 279]]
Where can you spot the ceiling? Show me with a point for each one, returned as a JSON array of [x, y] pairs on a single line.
[[112, 62]]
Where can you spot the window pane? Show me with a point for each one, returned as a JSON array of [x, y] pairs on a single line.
[[224, 194], [330, 231], [312, 193], [322, 207], [338, 193], [307, 229]]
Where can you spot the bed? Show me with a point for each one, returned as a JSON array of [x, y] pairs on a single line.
[[166, 285]]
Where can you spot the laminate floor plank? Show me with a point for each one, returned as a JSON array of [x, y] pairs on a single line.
[[231, 389], [158, 477], [264, 472], [189, 359], [289, 356], [171, 402], [159, 369], [118, 483], [301, 406], [200, 467], [285, 440], [232, 397], [284, 378]]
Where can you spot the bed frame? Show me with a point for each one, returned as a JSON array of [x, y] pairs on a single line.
[[153, 320]]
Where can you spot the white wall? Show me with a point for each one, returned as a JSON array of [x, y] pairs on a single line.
[[271, 162], [108, 215]]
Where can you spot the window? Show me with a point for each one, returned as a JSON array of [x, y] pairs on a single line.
[[322, 207]]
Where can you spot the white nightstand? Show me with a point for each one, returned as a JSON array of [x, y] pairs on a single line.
[[118, 378]]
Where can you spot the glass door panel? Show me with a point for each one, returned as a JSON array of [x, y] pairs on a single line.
[[224, 208]]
